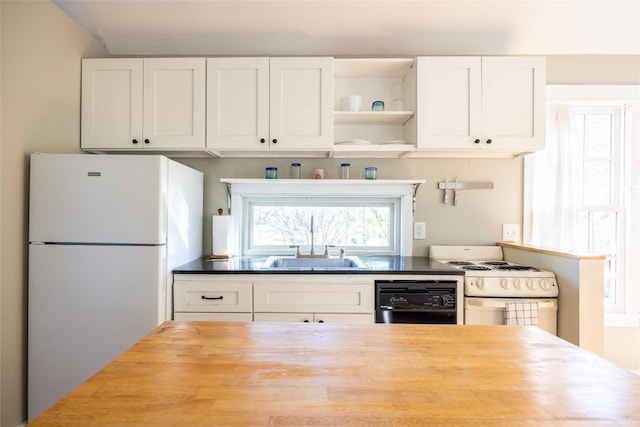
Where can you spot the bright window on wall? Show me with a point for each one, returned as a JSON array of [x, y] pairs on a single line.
[[601, 219], [582, 190], [358, 225]]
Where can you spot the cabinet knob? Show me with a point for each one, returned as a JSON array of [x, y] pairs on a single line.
[[489, 141], [261, 140], [477, 141], [146, 141], [135, 141], [275, 141]]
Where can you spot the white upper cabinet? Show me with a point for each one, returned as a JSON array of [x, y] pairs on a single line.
[[143, 104], [277, 104], [490, 106]]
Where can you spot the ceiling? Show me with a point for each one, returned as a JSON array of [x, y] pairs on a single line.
[[360, 27]]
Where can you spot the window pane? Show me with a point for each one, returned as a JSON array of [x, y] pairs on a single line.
[[599, 136], [597, 190], [582, 232], [603, 232], [610, 274], [344, 226]]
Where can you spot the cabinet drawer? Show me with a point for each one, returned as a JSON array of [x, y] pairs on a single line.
[[313, 298], [217, 317], [212, 297]]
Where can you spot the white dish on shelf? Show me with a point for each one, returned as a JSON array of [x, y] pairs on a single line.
[[396, 141], [354, 142]]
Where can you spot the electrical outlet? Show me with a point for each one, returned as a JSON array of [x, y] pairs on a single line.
[[419, 232], [510, 232]]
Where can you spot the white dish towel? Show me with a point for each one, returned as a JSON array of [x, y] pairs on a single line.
[[521, 313]]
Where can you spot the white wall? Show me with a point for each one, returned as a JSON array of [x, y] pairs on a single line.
[[41, 51], [40, 100], [476, 220]]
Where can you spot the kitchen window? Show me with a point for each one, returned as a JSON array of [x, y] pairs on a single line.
[[582, 190], [366, 217], [360, 225]]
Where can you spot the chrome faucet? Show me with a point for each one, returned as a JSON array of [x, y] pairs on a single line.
[[313, 249], [312, 253]]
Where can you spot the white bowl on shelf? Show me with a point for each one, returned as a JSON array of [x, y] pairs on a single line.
[[351, 103]]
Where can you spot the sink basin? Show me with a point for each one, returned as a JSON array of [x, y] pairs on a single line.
[[293, 263]]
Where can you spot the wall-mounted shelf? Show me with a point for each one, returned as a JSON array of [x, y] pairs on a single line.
[[371, 117]]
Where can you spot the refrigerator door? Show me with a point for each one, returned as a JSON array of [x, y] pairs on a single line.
[[87, 305], [83, 198]]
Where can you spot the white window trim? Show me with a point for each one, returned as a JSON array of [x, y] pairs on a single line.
[[601, 95], [240, 188]]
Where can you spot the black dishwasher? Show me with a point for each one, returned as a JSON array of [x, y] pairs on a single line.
[[416, 301]]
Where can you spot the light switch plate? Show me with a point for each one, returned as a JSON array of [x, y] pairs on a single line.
[[419, 231], [510, 232]]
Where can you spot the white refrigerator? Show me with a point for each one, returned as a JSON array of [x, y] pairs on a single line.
[[105, 231]]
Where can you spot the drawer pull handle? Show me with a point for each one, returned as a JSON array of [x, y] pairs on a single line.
[[204, 297]]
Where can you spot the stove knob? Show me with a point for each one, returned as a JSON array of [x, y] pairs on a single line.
[[531, 284], [517, 284], [481, 284], [505, 283], [544, 284]]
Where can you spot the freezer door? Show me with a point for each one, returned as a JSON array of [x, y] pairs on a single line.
[[87, 305], [84, 198]]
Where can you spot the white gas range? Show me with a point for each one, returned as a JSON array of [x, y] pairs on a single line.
[[491, 282]]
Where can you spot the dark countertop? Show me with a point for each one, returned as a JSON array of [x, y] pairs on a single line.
[[376, 264]]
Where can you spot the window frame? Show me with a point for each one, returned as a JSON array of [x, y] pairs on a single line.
[[619, 178], [405, 191], [393, 203], [627, 312]]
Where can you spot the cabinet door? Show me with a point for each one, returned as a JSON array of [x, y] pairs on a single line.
[[174, 103], [111, 116], [238, 103], [346, 318], [513, 98], [449, 102], [301, 103], [215, 317]]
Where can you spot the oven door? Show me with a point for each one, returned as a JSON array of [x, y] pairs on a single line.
[[416, 302], [424, 317]]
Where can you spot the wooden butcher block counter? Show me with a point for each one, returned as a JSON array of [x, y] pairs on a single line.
[[285, 374]]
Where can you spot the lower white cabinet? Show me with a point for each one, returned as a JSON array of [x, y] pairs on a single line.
[[215, 317], [350, 318], [274, 298]]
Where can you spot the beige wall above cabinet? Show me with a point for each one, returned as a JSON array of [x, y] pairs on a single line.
[[480, 106], [269, 106], [155, 104]]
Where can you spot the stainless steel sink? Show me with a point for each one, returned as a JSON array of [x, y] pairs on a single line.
[[293, 263]]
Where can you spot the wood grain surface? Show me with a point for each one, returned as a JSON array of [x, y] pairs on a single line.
[[284, 374]]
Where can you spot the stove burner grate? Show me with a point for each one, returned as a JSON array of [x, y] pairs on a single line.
[[460, 263], [474, 267], [494, 263], [516, 268]]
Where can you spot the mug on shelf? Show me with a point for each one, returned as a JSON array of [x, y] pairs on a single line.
[[320, 174]]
